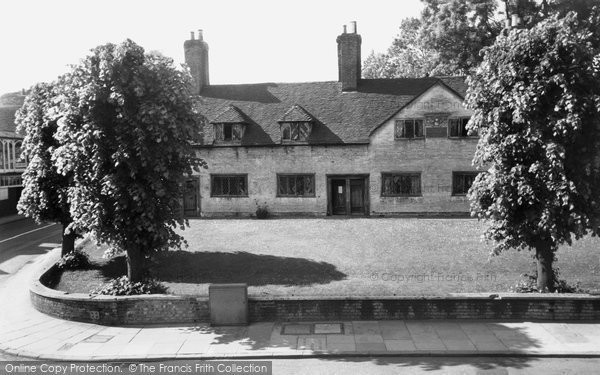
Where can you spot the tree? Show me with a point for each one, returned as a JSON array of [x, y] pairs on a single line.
[[126, 135], [457, 30], [406, 57], [449, 35], [536, 103], [44, 196]]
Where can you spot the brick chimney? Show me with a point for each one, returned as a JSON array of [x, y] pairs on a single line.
[[196, 57], [349, 65]]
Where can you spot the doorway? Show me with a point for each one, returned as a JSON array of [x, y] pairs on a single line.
[[191, 198], [348, 195]]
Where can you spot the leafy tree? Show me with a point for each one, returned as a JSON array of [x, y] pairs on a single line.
[[457, 30], [44, 196], [536, 103], [449, 35], [126, 131], [407, 57]]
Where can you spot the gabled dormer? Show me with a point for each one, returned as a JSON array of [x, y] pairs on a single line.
[[296, 125], [230, 126]]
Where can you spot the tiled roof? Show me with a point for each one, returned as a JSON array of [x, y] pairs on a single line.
[[296, 113], [339, 117], [230, 115]]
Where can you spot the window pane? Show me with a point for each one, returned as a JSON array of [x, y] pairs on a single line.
[[304, 129], [227, 132], [309, 185], [409, 129], [299, 185], [294, 131], [418, 128], [415, 187], [292, 186], [454, 127], [464, 122], [285, 132], [281, 185], [236, 132]]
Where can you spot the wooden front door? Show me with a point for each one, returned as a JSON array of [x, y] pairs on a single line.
[[338, 197], [348, 195], [191, 198], [357, 200]]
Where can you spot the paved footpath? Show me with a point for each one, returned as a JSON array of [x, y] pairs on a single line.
[[27, 332]]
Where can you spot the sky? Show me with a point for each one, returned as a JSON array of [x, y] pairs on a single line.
[[249, 41]]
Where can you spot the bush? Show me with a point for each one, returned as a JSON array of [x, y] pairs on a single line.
[[74, 260], [121, 286], [529, 284], [262, 212]]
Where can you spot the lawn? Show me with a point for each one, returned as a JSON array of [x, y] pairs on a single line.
[[342, 257]]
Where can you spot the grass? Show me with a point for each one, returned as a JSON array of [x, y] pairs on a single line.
[[374, 257]]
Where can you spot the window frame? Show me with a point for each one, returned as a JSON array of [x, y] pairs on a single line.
[[219, 128], [410, 174], [403, 121], [228, 175], [297, 124], [455, 174], [277, 183], [461, 126]]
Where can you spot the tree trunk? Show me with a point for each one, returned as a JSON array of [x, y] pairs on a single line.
[[68, 242], [135, 265], [545, 274]]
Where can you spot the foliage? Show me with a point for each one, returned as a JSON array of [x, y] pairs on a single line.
[[407, 57], [536, 103], [448, 37], [44, 197], [74, 260], [262, 211], [126, 129], [528, 284], [457, 30], [121, 286]]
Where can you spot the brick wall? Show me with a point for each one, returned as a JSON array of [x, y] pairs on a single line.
[[164, 309]]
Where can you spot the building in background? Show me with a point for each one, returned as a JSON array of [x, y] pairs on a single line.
[[348, 147], [11, 165]]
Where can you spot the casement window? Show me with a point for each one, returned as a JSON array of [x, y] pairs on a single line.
[[409, 129], [295, 131], [401, 184], [229, 132], [458, 127], [462, 181], [229, 185], [295, 185]]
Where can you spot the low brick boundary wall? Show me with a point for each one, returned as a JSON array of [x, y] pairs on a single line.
[[169, 309]]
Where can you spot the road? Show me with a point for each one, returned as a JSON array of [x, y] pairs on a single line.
[[22, 241]]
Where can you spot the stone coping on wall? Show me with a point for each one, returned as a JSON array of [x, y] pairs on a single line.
[[172, 309]]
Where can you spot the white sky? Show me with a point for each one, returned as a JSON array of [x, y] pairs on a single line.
[[249, 41]]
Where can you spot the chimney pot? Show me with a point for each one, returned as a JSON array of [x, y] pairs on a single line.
[[192, 35], [200, 36], [344, 26], [352, 27]]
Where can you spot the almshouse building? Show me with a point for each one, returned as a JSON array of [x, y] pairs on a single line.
[[348, 147]]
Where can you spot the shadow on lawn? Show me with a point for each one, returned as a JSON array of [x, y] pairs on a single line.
[[239, 267]]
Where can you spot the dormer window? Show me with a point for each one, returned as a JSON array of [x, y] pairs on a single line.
[[296, 125], [228, 132], [230, 125], [295, 131]]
